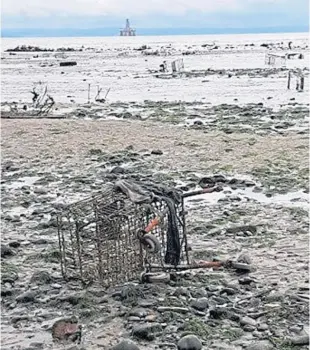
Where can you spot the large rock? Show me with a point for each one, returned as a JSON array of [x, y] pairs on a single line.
[[157, 152], [242, 228], [118, 170], [299, 340], [138, 312], [14, 244], [260, 345], [189, 342], [248, 321], [146, 331], [177, 309], [6, 251], [200, 304], [181, 291], [8, 273], [41, 277], [27, 297], [125, 345], [209, 181]]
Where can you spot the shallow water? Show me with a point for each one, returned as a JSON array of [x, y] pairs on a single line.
[[296, 199], [23, 181], [129, 77]]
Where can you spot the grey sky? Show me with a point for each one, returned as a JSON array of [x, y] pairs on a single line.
[[55, 13]]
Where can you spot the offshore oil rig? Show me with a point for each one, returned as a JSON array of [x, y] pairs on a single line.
[[127, 31]]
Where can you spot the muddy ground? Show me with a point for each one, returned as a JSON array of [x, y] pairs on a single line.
[[262, 212]]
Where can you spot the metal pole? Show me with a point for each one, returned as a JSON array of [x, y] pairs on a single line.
[[195, 193]]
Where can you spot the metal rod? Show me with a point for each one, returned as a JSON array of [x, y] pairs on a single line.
[[199, 265], [195, 193], [160, 217]]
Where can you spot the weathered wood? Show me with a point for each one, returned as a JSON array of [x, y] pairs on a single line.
[[302, 83], [289, 80], [88, 95]]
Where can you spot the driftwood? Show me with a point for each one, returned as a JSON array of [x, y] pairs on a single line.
[[67, 63], [42, 104], [6, 115], [35, 95]]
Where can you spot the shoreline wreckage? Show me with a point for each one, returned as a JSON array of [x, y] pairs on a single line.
[[126, 230], [163, 216]]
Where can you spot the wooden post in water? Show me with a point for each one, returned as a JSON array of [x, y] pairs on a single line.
[[88, 97], [289, 80], [302, 83], [297, 83]]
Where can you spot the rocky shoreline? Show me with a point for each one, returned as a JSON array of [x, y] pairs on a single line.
[[256, 118], [227, 120], [262, 212]]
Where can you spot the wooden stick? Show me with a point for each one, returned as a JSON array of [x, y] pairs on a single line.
[[289, 80], [302, 82], [88, 93]]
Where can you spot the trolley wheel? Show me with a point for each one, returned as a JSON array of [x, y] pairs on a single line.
[[148, 277], [150, 243]]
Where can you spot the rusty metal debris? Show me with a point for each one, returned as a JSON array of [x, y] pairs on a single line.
[[299, 78], [177, 65], [125, 230], [111, 238]]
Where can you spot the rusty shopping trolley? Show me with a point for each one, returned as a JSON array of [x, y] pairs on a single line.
[[122, 231]]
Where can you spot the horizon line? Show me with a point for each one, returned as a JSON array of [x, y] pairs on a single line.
[[113, 31]]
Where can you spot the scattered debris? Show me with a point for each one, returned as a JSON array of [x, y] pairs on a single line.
[[299, 77], [42, 102], [272, 59], [97, 97], [143, 47], [120, 220], [293, 55], [163, 67], [177, 65], [113, 242], [29, 48], [67, 63], [67, 329]]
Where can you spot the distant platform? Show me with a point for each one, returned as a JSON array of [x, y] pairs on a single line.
[[127, 31]]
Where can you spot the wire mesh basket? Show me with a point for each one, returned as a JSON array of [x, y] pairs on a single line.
[[100, 237]]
